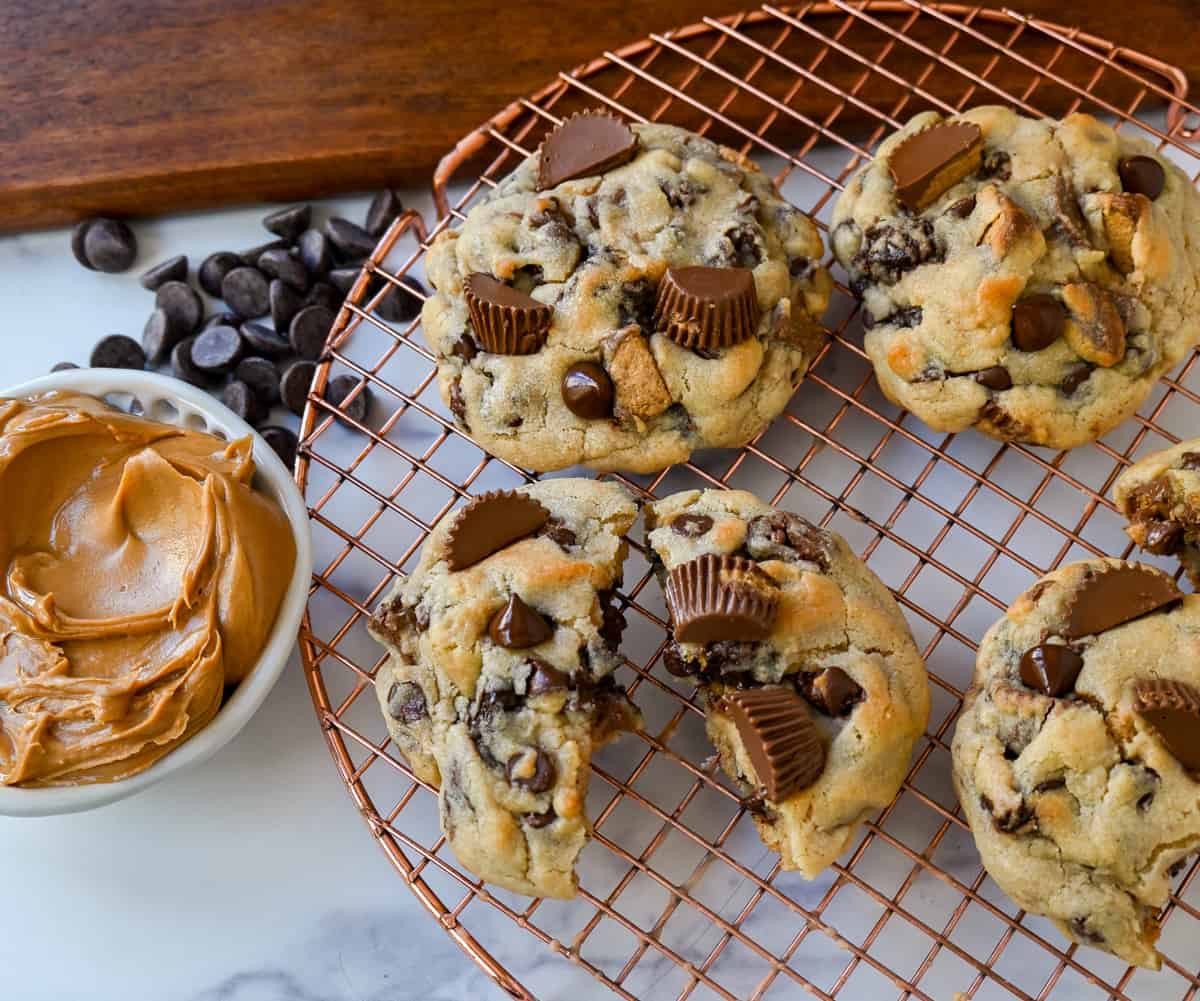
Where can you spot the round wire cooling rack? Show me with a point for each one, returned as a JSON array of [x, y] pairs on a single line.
[[678, 897]]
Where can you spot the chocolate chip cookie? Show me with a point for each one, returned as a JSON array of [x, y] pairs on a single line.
[[1029, 278], [813, 688], [628, 295], [499, 683], [1077, 754], [1160, 495]]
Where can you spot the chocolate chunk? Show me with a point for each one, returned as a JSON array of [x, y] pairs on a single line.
[[1068, 219], [1094, 327], [1172, 708], [337, 394], [591, 142], [403, 304], [283, 442], [707, 308], [465, 348], [173, 269], [294, 385], [1076, 378], [350, 241], [264, 341], [996, 378], [831, 691], [244, 402], [489, 523], [539, 820], [288, 269], [118, 351], [288, 223], [406, 702], [1037, 322], [588, 391], [721, 598], [1189, 460], [246, 291], [996, 165], [888, 252], [157, 337], [249, 258], [182, 366], [261, 376], [309, 330], [1051, 668], [612, 620], [531, 769], [780, 738], [217, 349], [343, 279], [546, 678], [558, 533], [182, 305], [677, 664], [930, 162], [517, 626], [1142, 175], [385, 207], [506, 321], [1162, 537], [691, 526], [1116, 595], [284, 302], [961, 208], [106, 245], [214, 268], [786, 536], [321, 294], [314, 252]]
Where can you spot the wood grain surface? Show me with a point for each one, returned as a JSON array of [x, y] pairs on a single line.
[[139, 108]]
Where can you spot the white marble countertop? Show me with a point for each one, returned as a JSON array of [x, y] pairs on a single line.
[[248, 878]]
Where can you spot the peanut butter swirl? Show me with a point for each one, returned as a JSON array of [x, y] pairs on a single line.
[[141, 577]]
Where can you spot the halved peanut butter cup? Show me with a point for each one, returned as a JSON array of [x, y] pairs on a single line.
[[929, 163], [587, 143], [780, 737], [506, 320], [716, 598], [707, 308], [490, 523]]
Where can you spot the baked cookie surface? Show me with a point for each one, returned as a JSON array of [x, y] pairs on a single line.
[[499, 682], [598, 380], [1029, 278], [1077, 752], [815, 693], [1160, 495]]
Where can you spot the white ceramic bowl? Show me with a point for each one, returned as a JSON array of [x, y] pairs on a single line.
[[173, 402]]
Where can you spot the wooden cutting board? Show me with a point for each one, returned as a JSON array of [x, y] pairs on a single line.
[[140, 109]]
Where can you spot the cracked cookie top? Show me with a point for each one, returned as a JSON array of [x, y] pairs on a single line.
[[615, 365], [1074, 760], [1027, 277], [1160, 495], [796, 630]]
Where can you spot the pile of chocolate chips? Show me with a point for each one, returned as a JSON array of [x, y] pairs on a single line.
[[297, 281]]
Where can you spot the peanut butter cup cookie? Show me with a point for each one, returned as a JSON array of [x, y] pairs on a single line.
[[814, 691], [1077, 754], [1160, 495], [1027, 277], [499, 682], [629, 294]]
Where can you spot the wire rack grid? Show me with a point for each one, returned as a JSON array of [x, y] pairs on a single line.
[[678, 898]]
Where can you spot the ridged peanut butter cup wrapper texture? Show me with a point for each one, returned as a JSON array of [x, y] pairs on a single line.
[[715, 598], [506, 320], [779, 736], [707, 308]]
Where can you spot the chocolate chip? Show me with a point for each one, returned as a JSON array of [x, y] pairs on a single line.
[[65, 366], [118, 351], [261, 376], [961, 208], [246, 291], [182, 366], [288, 223], [217, 349], [182, 305], [1037, 322], [458, 404], [801, 267], [406, 702], [744, 241], [294, 385], [314, 252], [403, 305], [539, 820], [1163, 537], [676, 664], [691, 526], [517, 626], [214, 268], [489, 523], [537, 776], [1189, 460], [546, 678], [996, 378], [173, 269], [996, 165], [831, 691], [350, 241], [337, 394], [309, 330], [1115, 595], [343, 279], [1076, 378], [1172, 709], [106, 245], [1142, 175], [612, 620], [288, 269], [1051, 668], [158, 338], [321, 294], [585, 144], [285, 302], [244, 402], [283, 442], [250, 257], [587, 391], [558, 533], [464, 348], [384, 208], [264, 341]]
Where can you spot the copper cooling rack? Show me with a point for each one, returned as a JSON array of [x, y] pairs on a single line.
[[678, 898]]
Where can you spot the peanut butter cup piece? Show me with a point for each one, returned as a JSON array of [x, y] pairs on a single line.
[[1094, 328], [506, 321], [929, 163], [714, 598], [1118, 595], [1051, 668], [490, 523], [831, 691], [707, 308], [780, 738], [1172, 708], [587, 143], [517, 626]]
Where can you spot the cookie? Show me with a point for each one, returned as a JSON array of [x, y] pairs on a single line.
[[1029, 278], [499, 684], [628, 295], [1160, 495], [1077, 753], [814, 691]]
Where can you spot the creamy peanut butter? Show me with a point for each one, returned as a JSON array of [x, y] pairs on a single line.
[[141, 577]]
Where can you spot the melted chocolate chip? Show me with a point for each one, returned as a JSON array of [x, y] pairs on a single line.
[[537, 776], [996, 165], [1189, 460], [517, 626], [832, 691], [691, 526], [1037, 322], [1163, 538], [539, 820], [406, 702], [675, 663], [962, 208], [785, 536], [464, 348], [613, 625], [558, 533], [888, 252], [458, 404], [1076, 378], [546, 678], [1051, 668], [996, 378]]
